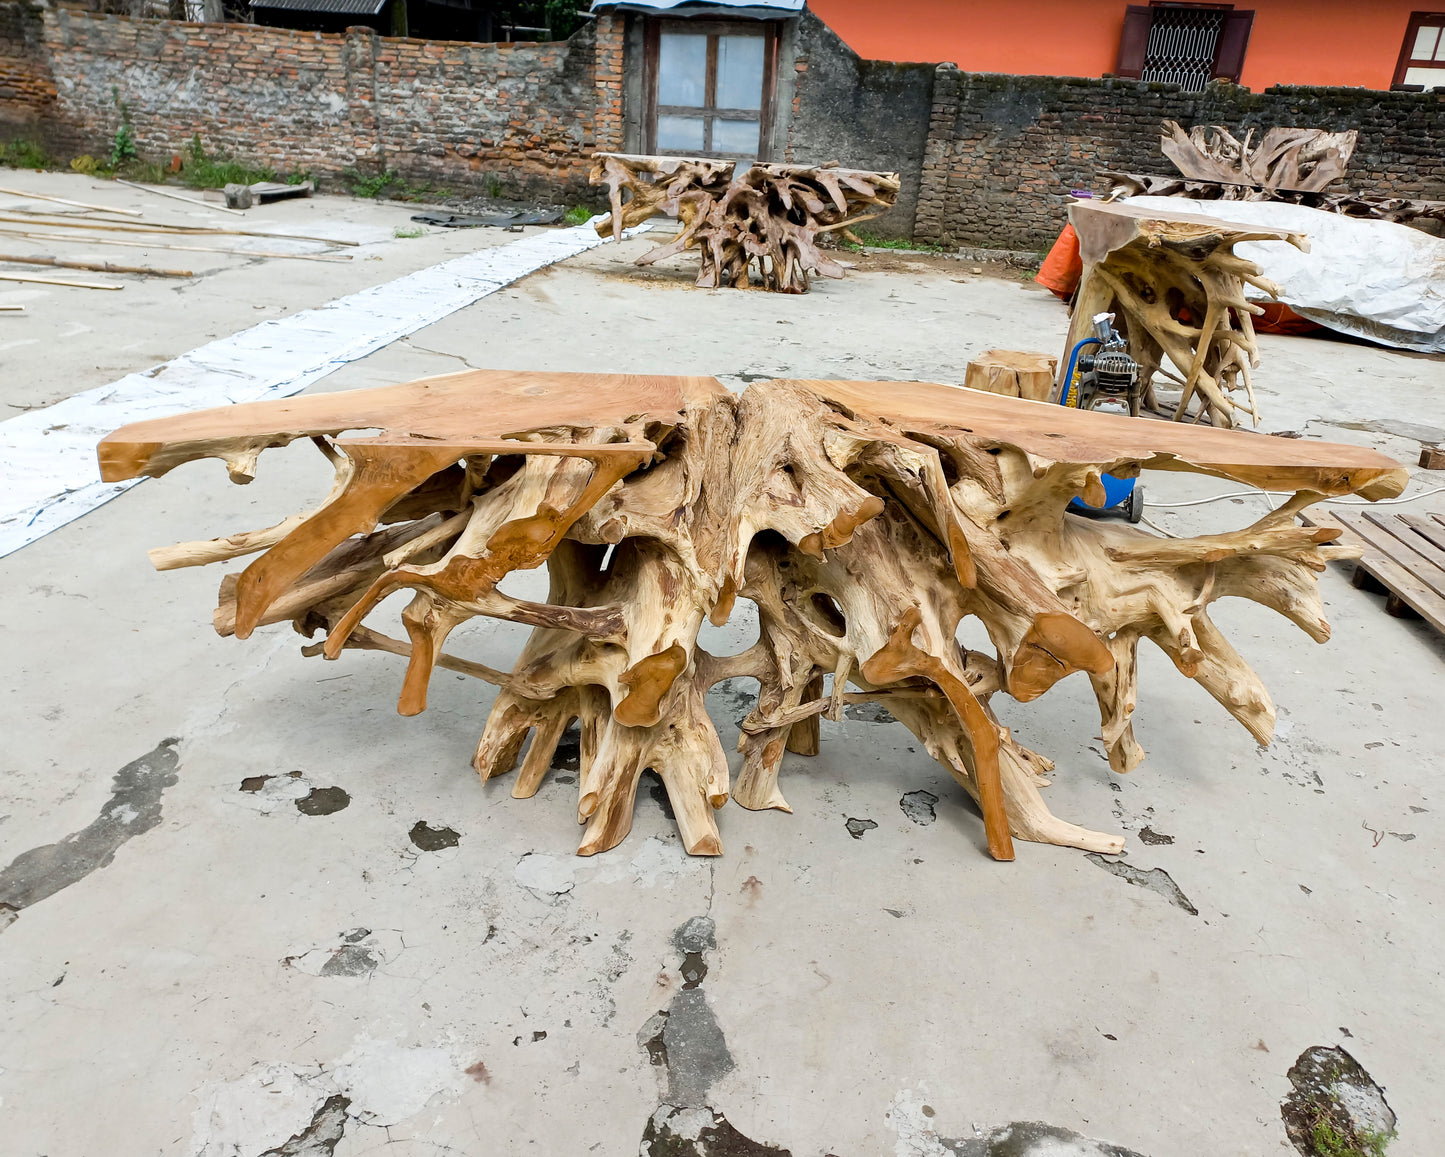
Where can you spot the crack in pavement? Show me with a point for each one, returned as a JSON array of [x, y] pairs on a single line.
[[1335, 1106], [914, 1123], [321, 1136], [686, 1041], [1155, 879], [134, 807]]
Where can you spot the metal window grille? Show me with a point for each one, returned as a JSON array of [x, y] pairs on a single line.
[[1181, 48]]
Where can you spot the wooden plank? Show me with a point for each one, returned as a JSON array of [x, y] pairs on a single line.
[[56, 281], [86, 239], [1398, 553], [91, 266], [1408, 588], [76, 204], [1430, 528], [1396, 525], [177, 197]]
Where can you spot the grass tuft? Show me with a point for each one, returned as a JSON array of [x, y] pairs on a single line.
[[23, 154], [202, 170], [392, 186], [874, 242]]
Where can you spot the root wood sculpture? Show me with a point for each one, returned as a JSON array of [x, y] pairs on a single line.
[[1293, 159], [1298, 166], [864, 520], [1176, 288], [768, 215]]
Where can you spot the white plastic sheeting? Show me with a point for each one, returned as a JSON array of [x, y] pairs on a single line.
[[1373, 279], [48, 470]]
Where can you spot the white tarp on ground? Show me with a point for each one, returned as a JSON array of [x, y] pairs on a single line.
[[48, 470], [1373, 279]]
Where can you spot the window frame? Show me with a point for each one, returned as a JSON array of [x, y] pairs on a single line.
[[1230, 50], [1407, 45], [769, 31]]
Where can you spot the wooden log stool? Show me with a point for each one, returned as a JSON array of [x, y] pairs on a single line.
[[1013, 374]]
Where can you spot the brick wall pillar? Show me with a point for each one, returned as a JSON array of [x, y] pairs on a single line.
[[929, 222], [607, 63], [800, 87], [27, 88], [358, 57]]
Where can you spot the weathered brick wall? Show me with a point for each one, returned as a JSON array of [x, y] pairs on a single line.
[[1004, 151], [264, 95], [984, 159], [26, 89], [608, 56], [518, 113], [864, 114], [460, 114]]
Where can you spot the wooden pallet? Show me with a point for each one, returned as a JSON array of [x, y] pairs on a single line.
[[1404, 553]]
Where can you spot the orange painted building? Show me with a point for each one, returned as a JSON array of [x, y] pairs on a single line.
[[1294, 42]]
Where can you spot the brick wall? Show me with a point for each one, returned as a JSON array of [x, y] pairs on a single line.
[[26, 89], [984, 159], [609, 54], [456, 113], [1004, 151], [865, 114]]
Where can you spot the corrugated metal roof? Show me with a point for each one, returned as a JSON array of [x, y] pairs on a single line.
[[341, 7], [761, 8]]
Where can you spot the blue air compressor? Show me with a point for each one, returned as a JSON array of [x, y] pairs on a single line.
[[1107, 373]]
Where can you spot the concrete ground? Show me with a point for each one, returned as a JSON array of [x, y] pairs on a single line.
[[257, 912]]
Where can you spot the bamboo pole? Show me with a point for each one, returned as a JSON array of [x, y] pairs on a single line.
[[77, 204], [178, 197], [94, 266], [57, 281], [162, 245], [12, 309], [148, 227]]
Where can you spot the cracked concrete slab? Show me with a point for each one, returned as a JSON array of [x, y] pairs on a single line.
[[912, 1120], [1154, 879], [133, 809], [824, 982], [1335, 1107]]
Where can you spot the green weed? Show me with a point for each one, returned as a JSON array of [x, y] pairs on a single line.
[[405, 233], [123, 146], [202, 170], [578, 215], [874, 242], [1328, 1140], [362, 185], [143, 172], [23, 154], [391, 185]]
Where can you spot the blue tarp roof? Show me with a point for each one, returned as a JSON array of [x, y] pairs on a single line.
[[343, 7]]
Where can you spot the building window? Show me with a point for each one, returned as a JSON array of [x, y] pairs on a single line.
[[710, 87], [1422, 59], [1184, 44]]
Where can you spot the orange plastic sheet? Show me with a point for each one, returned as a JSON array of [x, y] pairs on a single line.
[[1063, 267], [1279, 318]]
